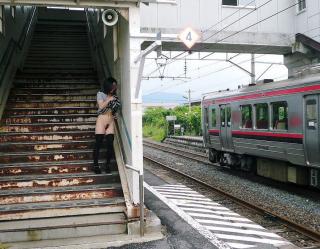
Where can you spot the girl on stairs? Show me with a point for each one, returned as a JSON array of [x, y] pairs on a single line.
[[108, 104]]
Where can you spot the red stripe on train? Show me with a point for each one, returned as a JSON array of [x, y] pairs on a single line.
[[214, 131], [268, 134], [269, 94]]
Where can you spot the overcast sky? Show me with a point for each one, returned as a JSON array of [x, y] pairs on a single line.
[[207, 76]]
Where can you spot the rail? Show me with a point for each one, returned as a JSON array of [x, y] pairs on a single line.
[[6, 61]]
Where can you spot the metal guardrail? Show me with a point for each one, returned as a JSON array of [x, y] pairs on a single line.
[[141, 197], [12, 47]]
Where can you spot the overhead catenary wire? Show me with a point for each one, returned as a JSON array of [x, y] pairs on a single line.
[[262, 20], [205, 46], [222, 69], [173, 60]]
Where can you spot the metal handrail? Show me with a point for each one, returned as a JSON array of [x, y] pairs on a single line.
[[141, 196], [97, 45], [11, 48], [17, 44]]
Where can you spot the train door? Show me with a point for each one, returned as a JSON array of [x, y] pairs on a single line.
[[225, 126], [312, 143]]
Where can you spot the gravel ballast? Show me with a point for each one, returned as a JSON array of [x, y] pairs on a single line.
[[301, 210]]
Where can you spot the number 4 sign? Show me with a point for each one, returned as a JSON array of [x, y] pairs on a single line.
[[189, 37]]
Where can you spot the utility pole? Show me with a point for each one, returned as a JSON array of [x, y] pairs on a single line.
[[253, 70], [189, 98]]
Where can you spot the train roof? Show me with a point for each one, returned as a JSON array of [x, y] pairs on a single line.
[[261, 87]]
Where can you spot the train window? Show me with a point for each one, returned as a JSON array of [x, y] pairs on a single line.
[[230, 2], [206, 116], [311, 114], [262, 116], [228, 112], [222, 117], [246, 116], [280, 116], [213, 118]]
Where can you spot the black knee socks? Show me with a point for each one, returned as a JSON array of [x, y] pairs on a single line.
[[109, 146], [98, 144], [96, 150]]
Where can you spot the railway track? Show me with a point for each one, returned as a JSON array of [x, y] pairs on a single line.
[[292, 227]]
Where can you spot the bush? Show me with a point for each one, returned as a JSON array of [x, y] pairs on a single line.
[[155, 124]]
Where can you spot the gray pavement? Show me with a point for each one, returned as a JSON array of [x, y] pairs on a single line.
[[180, 235]]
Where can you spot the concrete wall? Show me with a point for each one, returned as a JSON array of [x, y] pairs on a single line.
[[204, 14], [308, 21], [127, 72]]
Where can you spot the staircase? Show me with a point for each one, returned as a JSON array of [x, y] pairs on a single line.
[[48, 188]]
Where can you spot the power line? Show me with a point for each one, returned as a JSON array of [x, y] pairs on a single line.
[[237, 32]]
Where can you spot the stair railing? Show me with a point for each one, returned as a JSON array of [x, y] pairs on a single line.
[[98, 48], [6, 60]]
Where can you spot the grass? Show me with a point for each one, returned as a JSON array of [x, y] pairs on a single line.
[[155, 133]]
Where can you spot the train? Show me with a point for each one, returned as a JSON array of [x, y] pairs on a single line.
[[269, 128]]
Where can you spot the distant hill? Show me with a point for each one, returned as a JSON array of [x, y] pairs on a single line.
[[163, 97]]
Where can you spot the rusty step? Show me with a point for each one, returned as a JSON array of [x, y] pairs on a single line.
[[60, 180], [64, 167], [52, 97], [46, 136], [58, 71], [33, 119], [46, 145], [47, 168], [60, 208], [57, 66], [45, 111], [85, 192], [52, 104], [48, 127], [57, 82], [56, 76], [46, 156], [53, 90]]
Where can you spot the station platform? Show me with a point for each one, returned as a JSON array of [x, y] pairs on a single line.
[[194, 221]]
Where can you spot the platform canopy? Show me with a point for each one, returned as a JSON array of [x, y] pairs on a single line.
[[83, 3]]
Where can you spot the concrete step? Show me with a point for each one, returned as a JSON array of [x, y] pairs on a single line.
[[56, 83], [48, 127], [66, 227], [61, 208], [58, 71], [84, 192], [38, 119], [52, 97], [47, 156], [51, 104], [45, 111], [46, 146], [46, 136], [45, 63], [60, 180], [48, 168], [62, 167], [55, 76], [57, 66], [53, 90]]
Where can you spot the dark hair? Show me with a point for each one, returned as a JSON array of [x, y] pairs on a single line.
[[108, 85]]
